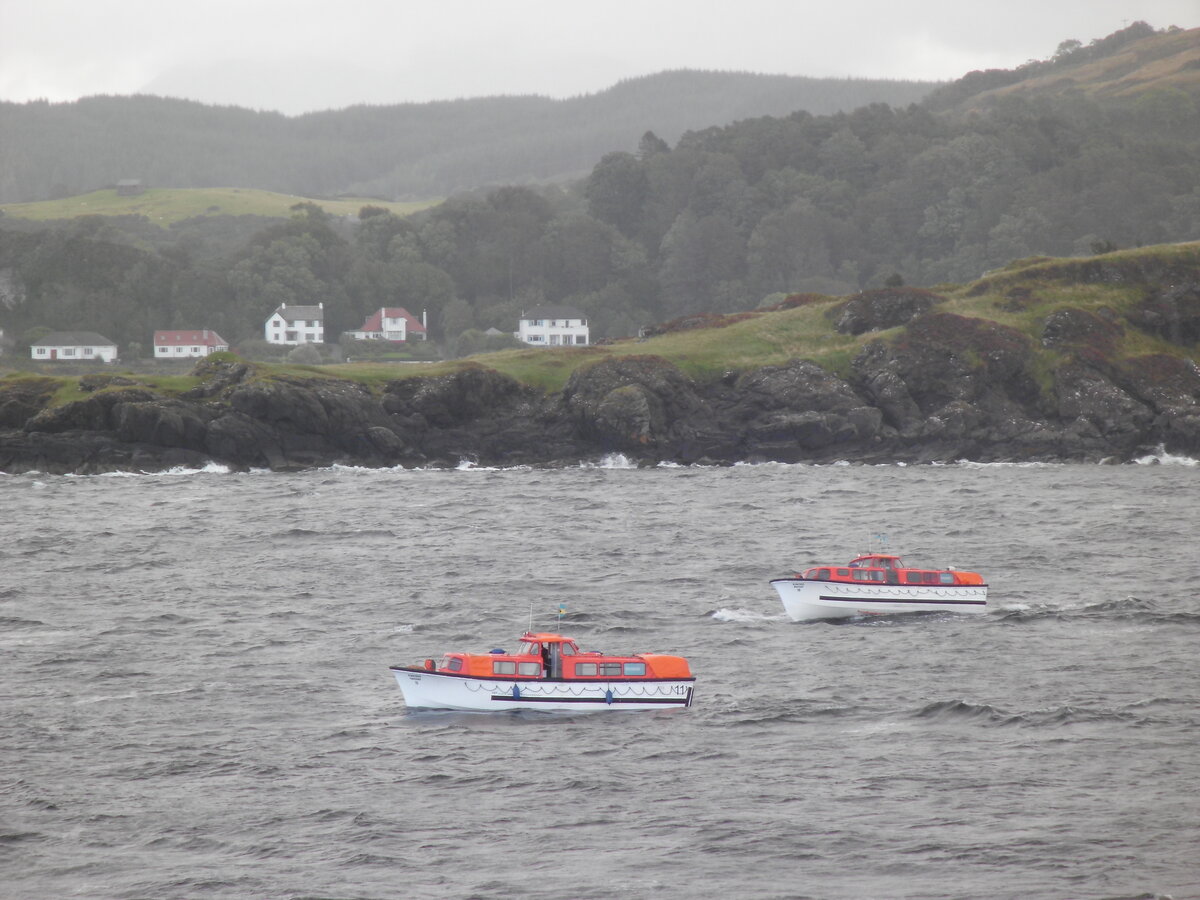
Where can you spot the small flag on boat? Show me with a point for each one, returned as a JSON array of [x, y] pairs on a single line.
[[562, 611]]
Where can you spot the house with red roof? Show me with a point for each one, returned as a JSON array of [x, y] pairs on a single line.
[[390, 323], [179, 344]]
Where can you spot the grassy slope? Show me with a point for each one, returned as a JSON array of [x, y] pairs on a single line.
[[1161, 62], [165, 206], [772, 338]]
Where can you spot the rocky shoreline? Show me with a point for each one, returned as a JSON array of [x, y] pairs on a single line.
[[950, 388]]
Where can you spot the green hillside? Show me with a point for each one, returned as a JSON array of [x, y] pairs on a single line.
[[1021, 296], [165, 206]]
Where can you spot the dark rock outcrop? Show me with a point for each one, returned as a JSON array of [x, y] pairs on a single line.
[[1070, 327], [1171, 313], [882, 309], [948, 387]]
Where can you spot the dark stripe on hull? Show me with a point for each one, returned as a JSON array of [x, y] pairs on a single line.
[[868, 600], [536, 679], [669, 701]]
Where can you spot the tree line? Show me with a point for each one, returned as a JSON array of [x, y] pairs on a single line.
[[725, 219]]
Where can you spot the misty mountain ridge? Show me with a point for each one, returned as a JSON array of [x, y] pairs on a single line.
[[403, 151]]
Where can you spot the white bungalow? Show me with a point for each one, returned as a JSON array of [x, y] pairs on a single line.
[[185, 344], [74, 346], [390, 323], [553, 326], [293, 325]]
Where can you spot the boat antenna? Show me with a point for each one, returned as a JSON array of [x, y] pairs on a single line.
[[530, 617]]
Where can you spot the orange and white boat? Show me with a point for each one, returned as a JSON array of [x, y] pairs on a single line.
[[879, 584], [547, 671]]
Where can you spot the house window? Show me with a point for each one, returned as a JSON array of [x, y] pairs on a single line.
[[41, 351], [68, 351], [580, 339]]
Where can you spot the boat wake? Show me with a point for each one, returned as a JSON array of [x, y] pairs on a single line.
[[744, 616]]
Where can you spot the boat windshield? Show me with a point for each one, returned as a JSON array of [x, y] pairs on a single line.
[[528, 648]]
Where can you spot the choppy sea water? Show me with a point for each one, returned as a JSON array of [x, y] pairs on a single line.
[[196, 700]]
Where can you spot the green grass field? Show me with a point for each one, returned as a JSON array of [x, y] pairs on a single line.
[[165, 206]]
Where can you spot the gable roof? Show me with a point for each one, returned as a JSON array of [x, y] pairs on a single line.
[[74, 339], [374, 322], [204, 338], [553, 311], [292, 313]]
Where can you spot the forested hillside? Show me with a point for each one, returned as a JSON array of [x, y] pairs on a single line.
[[723, 219], [407, 151]]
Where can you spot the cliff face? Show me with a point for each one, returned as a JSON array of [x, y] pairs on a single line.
[[949, 388]]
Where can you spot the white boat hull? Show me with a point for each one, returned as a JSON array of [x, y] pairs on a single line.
[[423, 689], [806, 599]]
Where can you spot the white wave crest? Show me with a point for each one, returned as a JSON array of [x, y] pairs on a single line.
[[1161, 457], [744, 616]]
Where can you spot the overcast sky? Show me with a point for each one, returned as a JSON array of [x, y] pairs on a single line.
[[300, 55]]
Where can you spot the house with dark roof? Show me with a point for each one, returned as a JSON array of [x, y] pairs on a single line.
[[390, 323], [176, 344], [553, 326], [294, 325], [73, 346]]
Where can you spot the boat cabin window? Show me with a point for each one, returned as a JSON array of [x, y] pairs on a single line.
[[868, 575], [504, 667], [453, 663], [528, 648], [946, 577], [912, 577], [638, 668], [585, 669], [822, 575], [843, 572], [527, 668], [610, 668], [568, 649]]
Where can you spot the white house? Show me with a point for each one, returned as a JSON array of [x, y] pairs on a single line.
[[185, 344], [74, 346], [294, 325], [390, 323], [553, 326]]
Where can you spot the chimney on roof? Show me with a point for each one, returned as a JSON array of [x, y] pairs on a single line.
[[424, 316], [320, 305]]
